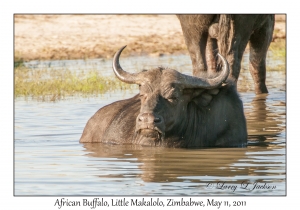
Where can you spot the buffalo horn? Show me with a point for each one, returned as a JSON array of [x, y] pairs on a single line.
[[196, 82], [124, 76]]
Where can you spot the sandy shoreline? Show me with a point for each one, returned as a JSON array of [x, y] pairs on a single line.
[[45, 37]]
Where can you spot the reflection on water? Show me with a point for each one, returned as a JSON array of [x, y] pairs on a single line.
[[49, 160]]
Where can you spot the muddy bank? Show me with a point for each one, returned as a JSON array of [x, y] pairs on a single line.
[[45, 37]]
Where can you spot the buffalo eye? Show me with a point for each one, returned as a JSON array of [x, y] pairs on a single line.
[[172, 99]]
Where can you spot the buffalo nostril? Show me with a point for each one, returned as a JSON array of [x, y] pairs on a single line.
[[149, 118]]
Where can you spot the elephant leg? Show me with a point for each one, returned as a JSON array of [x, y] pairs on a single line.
[[195, 32], [197, 53], [196, 46], [235, 55], [238, 43], [259, 43]]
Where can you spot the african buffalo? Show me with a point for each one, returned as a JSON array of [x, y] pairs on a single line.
[[172, 110], [229, 34]]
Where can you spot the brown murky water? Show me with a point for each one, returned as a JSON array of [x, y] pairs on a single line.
[[49, 160]]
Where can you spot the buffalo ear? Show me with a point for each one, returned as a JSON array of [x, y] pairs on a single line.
[[205, 97]]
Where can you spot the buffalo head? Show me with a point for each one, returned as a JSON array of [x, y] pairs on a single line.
[[165, 95]]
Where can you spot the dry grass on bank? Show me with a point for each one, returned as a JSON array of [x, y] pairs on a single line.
[[52, 37]]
